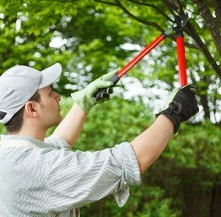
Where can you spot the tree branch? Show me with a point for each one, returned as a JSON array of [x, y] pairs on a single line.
[[217, 7], [173, 6], [154, 7], [189, 29], [144, 21], [210, 23], [137, 18], [202, 46]]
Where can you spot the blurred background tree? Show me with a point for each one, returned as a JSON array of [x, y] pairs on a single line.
[[90, 38]]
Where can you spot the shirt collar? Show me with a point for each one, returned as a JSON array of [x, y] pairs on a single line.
[[40, 144]]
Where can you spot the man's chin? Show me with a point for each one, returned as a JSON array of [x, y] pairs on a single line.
[[59, 120]]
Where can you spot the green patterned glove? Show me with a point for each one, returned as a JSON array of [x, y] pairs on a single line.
[[85, 98]]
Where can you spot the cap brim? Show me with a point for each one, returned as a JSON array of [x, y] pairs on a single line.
[[50, 75]]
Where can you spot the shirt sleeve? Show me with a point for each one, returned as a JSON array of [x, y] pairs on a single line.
[[78, 178]]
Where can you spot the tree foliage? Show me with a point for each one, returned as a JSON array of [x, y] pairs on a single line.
[[99, 36]]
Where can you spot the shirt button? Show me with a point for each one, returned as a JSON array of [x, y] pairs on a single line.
[[125, 183]]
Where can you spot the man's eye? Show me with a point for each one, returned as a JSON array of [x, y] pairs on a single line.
[[53, 88], [51, 92]]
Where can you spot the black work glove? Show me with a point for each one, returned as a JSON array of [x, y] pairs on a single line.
[[181, 106]]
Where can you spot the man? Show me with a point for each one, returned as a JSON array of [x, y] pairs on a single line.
[[42, 176]]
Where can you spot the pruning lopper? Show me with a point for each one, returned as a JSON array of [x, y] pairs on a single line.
[[178, 27]]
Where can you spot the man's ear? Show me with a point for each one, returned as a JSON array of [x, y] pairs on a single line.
[[32, 109]]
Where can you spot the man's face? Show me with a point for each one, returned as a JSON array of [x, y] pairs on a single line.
[[50, 109]]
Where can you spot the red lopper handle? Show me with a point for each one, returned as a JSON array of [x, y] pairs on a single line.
[[181, 60]]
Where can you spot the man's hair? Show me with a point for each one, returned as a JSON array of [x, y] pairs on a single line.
[[16, 121]]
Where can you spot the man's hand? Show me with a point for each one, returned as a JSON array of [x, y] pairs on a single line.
[[182, 106], [86, 99]]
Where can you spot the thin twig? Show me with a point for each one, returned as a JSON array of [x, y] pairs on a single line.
[[154, 7], [137, 18]]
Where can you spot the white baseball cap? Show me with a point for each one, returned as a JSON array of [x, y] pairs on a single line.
[[19, 83]]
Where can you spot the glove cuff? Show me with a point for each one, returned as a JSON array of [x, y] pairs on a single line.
[[86, 103], [174, 117]]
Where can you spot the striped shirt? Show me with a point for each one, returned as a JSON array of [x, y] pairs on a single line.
[[51, 180]]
